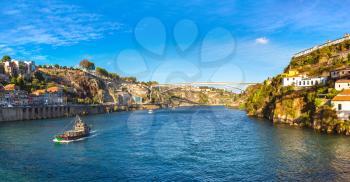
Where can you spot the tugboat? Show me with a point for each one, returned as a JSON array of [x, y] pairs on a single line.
[[79, 130]]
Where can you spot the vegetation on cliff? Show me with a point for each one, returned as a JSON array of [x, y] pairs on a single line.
[[308, 107]]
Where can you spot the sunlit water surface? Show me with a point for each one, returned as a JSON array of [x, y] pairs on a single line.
[[183, 144]]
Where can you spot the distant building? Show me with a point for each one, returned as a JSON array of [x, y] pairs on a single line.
[[341, 103], [137, 99], [19, 68], [339, 73], [10, 87], [124, 98], [50, 96], [303, 81], [342, 84], [13, 97]]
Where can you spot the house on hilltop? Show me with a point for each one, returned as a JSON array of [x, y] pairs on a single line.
[[341, 103], [303, 81], [19, 68]]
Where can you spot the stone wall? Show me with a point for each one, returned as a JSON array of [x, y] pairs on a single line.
[[46, 112], [330, 43]]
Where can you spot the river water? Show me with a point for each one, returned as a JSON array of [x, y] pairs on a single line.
[[183, 144]]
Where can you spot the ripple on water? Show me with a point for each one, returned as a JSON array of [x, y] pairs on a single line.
[[185, 144]]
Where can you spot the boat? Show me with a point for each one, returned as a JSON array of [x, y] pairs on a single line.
[[150, 111], [79, 130]]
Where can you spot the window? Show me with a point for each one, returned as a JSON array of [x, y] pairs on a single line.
[[312, 82], [316, 82], [303, 82], [339, 107], [308, 82], [293, 78], [299, 82], [287, 79]]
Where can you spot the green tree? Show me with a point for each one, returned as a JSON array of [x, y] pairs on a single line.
[[20, 82], [114, 76], [86, 64], [101, 72], [130, 79], [6, 58], [13, 80]]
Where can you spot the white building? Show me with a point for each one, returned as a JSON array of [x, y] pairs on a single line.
[[303, 81], [341, 103], [342, 84], [340, 73]]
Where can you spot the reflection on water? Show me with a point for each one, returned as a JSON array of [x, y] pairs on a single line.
[[185, 144]]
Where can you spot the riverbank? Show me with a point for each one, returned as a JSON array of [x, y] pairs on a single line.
[[47, 112]]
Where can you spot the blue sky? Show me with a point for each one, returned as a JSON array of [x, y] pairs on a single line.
[[171, 41]]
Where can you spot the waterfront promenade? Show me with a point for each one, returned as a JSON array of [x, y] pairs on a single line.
[[55, 111]]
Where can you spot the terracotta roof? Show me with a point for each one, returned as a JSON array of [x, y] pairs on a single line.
[[38, 92], [53, 89], [341, 98], [342, 81], [345, 92], [10, 87]]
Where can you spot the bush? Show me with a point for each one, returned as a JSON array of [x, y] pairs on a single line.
[[86, 64], [102, 72]]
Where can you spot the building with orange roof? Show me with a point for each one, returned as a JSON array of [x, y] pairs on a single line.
[[54, 89], [341, 103], [342, 84], [10, 87], [39, 92], [49, 96]]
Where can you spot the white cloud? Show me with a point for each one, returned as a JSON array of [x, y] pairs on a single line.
[[52, 23], [262, 40], [4, 49]]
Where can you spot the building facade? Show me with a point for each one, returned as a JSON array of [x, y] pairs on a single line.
[[303, 81], [339, 73], [341, 104], [19, 68], [342, 84]]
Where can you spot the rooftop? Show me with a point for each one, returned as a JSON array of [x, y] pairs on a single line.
[[343, 81], [341, 98], [10, 87], [345, 92]]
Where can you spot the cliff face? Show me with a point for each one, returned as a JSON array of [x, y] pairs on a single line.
[[309, 107], [81, 84], [102, 90]]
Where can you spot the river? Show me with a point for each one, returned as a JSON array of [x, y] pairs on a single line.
[[182, 144]]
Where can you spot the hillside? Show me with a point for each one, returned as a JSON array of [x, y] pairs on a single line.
[[303, 107], [90, 85]]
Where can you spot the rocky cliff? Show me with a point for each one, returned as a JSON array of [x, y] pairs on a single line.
[[303, 107]]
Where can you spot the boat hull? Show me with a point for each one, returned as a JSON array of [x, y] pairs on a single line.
[[65, 139]]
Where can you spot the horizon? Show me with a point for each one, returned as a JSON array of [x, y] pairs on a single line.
[[192, 41]]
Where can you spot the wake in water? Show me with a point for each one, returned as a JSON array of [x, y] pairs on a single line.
[[93, 133]]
